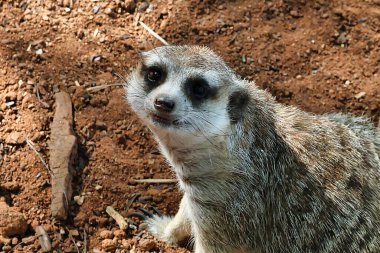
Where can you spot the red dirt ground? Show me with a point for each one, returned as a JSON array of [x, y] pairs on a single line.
[[320, 55]]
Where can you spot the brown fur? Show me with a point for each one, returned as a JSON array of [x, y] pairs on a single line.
[[274, 178]]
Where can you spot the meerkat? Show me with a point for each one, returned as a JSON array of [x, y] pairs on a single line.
[[257, 176]]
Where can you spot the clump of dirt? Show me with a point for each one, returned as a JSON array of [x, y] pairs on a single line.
[[320, 55]]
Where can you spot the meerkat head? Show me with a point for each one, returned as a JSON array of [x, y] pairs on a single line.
[[186, 90]]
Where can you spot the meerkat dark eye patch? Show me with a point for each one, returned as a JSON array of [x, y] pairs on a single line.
[[198, 90], [237, 104], [153, 76]]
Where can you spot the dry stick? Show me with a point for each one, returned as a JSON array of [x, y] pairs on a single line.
[[73, 240], [154, 34], [102, 87], [84, 240], [46, 105], [117, 217], [43, 239], [122, 78], [30, 144], [131, 200], [156, 181]]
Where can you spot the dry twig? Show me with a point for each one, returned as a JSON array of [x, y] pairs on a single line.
[[44, 104], [30, 144], [156, 181], [123, 224], [131, 200], [43, 239], [154, 34], [102, 87], [73, 240], [84, 241]]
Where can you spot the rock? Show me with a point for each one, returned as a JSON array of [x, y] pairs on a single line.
[[102, 222], [49, 228], [74, 232], [325, 15], [14, 241], [126, 243], [342, 39], [10, 103], [295, 14], [28, 240], [98, 102], [96, 9], [7, 248], [39, 52], [109, 244], [147, 244], [153, 191], [79, 200], [26, 100], [11, 186], [44, 239], [15, 138], [110, 12], [106, 234], [143, 6], [63, 150], [11, 222], [119, 234], [5, 241], [100, 125], [360, 95], [35, 223], [130, 6], [11, 96]]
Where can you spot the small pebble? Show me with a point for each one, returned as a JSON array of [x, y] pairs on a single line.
[[147, 244], [143, 6], [79, 200], [11, 96], [28, 240], [106, 234], [109, 244], [119, 234], [14, 241], [96, 9], [360, 95]]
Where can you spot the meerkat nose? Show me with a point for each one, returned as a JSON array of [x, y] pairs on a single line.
[[164, 104]]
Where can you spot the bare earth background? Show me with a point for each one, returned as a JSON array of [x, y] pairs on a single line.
[[320, 55]]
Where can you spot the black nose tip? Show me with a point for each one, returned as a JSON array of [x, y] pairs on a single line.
[[164, 104]]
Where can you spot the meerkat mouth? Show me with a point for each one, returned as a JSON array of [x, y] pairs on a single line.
[[162, 120]]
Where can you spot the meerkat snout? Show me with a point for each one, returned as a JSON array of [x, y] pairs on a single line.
[[164, 103]]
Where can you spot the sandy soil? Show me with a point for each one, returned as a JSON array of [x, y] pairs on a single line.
[[320, 55]]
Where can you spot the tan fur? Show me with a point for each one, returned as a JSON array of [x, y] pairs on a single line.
[[258, 176]]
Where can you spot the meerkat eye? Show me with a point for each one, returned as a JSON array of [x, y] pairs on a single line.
[[199, 88], [153, 75]]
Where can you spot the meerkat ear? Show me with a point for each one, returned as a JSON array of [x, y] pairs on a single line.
[[237, 104]]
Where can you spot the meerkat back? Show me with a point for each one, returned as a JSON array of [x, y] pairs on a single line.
[[256, 176]]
